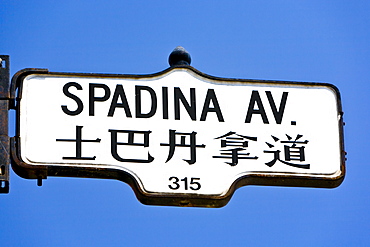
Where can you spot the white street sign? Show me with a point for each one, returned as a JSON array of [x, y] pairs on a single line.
[[180, 133]]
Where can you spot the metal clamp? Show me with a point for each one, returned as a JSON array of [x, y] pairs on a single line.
[[4, 137]]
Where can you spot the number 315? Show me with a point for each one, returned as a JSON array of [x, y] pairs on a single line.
[[193, 185]]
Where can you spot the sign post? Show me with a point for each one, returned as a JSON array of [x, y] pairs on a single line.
[[4, 138], [178, 137]]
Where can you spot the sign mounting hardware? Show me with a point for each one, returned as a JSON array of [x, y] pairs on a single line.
[[178, 137], [4, 138]]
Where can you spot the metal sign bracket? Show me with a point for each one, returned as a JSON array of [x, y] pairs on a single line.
[[4, 137]]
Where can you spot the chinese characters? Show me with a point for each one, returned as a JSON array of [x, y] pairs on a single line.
[[234, 147]]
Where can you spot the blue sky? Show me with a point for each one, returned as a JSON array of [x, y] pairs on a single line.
[[310, 41]]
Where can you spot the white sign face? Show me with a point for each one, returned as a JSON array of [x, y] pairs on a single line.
[[180, 132]]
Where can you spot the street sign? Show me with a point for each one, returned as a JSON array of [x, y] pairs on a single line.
[[178, 137]]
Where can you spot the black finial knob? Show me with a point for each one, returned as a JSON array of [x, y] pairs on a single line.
[[179, 56]]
